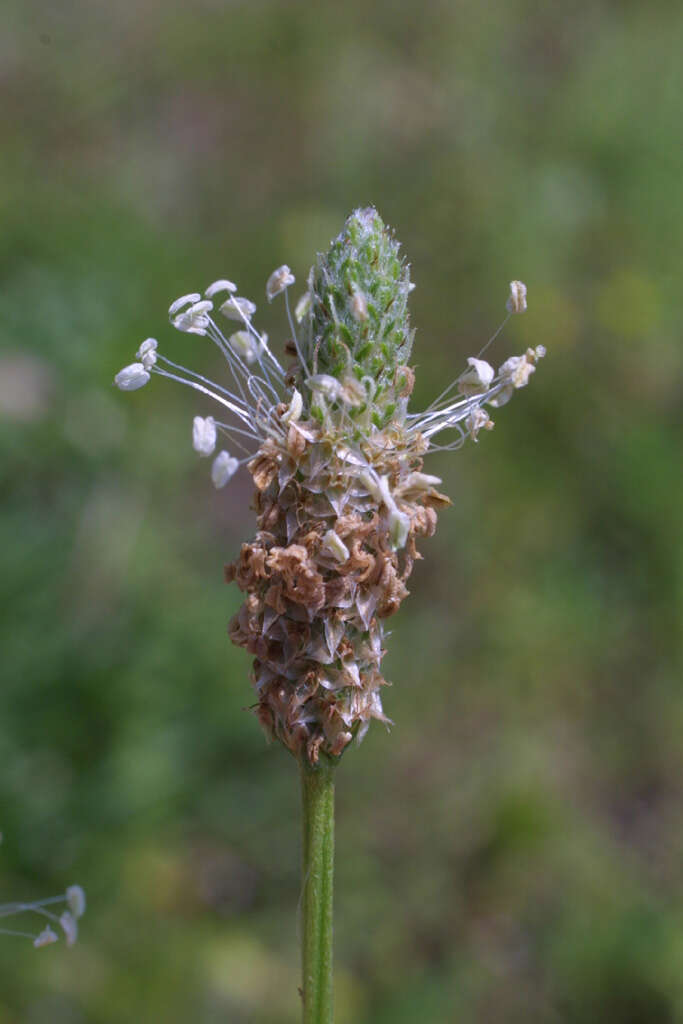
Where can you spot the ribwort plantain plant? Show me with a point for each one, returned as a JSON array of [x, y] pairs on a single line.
[[342, 500]]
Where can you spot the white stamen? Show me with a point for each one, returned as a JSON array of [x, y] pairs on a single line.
[[517, 301], [478, 420], [147, 353], [75, 898], [246, 346], [223, 469], [194, 320], [279, 280], [477, 379], [204, 435], [184, 300], [220, 286], [516, 371], [238, 308], [69, 927], [46, 938], [132, 377]]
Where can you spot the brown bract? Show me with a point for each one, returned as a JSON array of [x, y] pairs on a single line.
[[313, 617]]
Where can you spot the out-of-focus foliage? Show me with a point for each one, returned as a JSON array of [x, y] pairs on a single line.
[[512, 850]]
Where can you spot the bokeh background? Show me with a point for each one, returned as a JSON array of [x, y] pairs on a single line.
[[512, 850]]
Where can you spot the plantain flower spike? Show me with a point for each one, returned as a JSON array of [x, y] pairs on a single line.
[[337, 462]]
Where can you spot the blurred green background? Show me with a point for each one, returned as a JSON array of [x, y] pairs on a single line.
[[512, 850]]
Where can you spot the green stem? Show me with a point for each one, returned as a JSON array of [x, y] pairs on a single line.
[[317, 789]]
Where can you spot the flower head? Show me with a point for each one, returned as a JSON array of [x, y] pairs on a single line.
[[337, 461]]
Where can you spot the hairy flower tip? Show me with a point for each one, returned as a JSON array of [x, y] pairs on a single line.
[[357, 327]]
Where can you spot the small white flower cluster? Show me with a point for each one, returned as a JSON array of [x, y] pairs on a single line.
[[67, 921], [480, 385], [260, 385], [255, 394]]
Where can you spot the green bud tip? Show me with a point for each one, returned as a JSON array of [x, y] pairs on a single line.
[[357, 328]]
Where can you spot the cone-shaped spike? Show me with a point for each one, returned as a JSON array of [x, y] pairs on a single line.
[[357, 328]]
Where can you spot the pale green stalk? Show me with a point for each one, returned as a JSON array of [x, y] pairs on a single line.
[[317, 790]]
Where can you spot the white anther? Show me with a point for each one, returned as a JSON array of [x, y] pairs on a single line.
[[69, 927], [147, 353], [334, 546], [246, 345], [194, 320], [238, 308], [46, 938], [516, 371], [223, 469], [220, 286], [148, 345], [132, 377], [477, 379], [279, 280], [204, 435], [75, 898], [478, 420], [184, 300], [517, 300]]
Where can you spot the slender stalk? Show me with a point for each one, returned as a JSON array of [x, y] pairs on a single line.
[[317, 790]]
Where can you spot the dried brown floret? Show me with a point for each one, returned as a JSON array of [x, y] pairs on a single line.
[[315, 605]]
